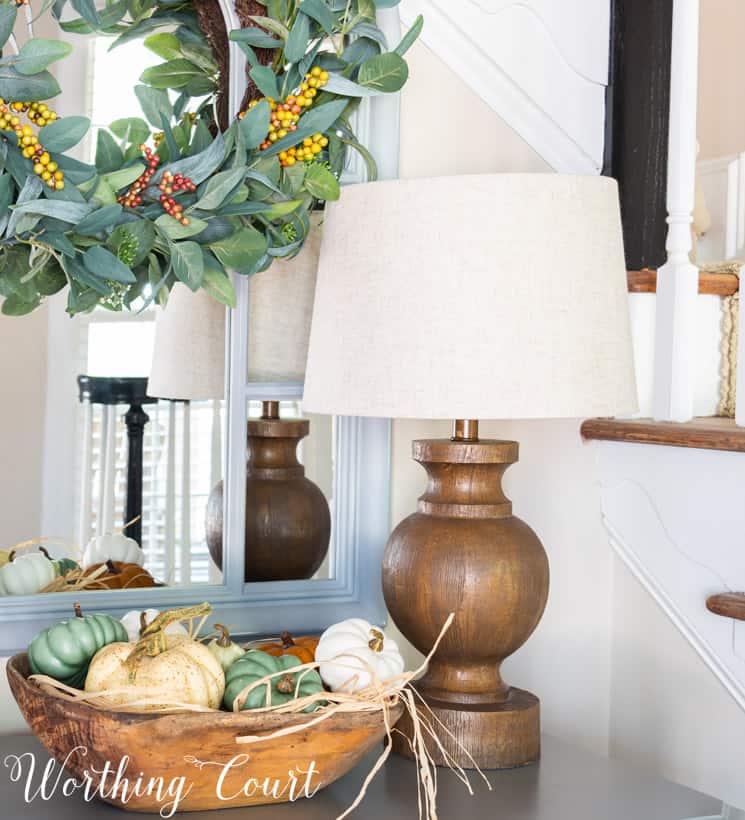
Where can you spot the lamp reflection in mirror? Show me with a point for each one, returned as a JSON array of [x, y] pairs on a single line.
[[497, 297], [288, 523]]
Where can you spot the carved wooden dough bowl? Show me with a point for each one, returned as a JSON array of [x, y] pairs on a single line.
[[161, 745]]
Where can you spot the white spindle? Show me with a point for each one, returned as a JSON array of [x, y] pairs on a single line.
[[170, 516], [105, 519], [186, 494], [677, 279], [84, 520]]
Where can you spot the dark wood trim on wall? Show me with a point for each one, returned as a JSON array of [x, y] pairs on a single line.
[[637, 116]]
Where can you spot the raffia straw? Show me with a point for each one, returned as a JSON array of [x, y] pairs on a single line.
[[76, 580], [45, 539], [151, 700], [120, 530]]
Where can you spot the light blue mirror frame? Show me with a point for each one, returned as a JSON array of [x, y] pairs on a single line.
[[361, 461]]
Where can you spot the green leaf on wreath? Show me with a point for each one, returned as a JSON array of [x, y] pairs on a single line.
[[131, 129], [297, 42], [63, 134], [266, 81], [188, 263], [219, 188], [99, 220], [39, 53], [171, 74], [154, 103], [321, 183], [109, 156], [173, 229], [16, 86], [254, 126], [385, 72], [164, 44], [411, 35], [319, 11], [241, 251], [8, 14], [123, 177], [103, 263], [219, 287]]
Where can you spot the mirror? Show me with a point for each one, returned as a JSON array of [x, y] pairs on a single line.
[[115, 460], [93, 450]]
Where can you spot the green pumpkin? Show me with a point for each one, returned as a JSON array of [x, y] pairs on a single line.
[[64, 565], [255, 665], [64, 651]]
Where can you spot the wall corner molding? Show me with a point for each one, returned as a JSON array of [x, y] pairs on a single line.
[[485, 45]]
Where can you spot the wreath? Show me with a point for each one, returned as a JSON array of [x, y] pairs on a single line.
[[181, 193]]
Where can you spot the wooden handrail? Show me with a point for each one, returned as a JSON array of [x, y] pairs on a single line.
[[711, 284], [728, 605]]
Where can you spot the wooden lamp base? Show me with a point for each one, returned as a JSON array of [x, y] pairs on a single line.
[[464, 552]]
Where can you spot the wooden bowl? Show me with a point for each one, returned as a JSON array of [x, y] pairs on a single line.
[[196, 746]]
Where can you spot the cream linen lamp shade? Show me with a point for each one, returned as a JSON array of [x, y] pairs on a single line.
[[189, 349], [488, 296]]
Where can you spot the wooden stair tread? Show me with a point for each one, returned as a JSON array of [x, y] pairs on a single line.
[[728, 604], [709, 283], [711, 433]]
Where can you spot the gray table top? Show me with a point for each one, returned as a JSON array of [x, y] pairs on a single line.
[[568, 784]]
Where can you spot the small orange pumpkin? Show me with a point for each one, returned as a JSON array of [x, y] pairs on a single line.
[[122, 576], [304, 649]]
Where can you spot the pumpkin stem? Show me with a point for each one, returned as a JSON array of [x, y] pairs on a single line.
[[45, 553], [223, 639], [286, 685], [111, 568], [376, 642], [12, 556], [143, 622], [77, 610], [286, 639]]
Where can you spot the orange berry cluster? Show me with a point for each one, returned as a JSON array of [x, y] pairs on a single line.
[[23, 3], [28, 142], [286, 115], [173, 184], [133, 196]]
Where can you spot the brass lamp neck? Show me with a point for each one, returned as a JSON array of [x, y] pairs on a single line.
[[465, 430], [269, 410]]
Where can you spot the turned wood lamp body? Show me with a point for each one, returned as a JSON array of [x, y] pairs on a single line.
[[288, 524], [490, 568], [478, 297]]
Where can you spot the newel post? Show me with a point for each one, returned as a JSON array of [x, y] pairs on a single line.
[[677, 279]]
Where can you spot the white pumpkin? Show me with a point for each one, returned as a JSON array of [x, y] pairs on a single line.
[[112, 547], [132, 624], [26, 574], [352, 651], [186, 672]]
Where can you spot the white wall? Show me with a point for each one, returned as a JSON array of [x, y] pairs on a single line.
[[669, 714], [23, 368], [721, 115]]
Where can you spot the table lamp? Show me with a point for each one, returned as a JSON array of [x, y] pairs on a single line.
[[288, 523], [471, 297]]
